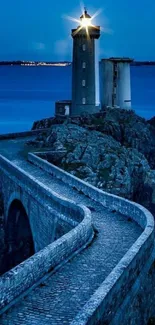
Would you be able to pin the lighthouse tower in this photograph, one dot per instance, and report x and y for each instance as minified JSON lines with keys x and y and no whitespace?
{"x":83,"y":73}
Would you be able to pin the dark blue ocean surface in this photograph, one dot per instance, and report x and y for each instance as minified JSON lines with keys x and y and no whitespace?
{"x":143,"y":90}
{"x":29,"y":93}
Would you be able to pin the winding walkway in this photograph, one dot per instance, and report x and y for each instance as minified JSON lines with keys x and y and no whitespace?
{"x":60,"y":297}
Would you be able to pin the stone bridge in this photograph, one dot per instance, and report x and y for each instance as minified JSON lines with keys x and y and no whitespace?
{"x":34,"y":215}
{"x":94,"y":252}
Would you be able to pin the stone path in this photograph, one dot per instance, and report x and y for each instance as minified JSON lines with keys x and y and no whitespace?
{"x":63,"y":294}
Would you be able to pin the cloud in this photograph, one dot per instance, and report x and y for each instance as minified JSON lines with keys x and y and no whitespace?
{"x":62,"y":47}
{"x":39,"y":46}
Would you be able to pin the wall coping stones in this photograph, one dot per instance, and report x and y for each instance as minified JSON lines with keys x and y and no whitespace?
{"x":16,"y":281}
{"x":8,"y":136}
{"x":108,"y":297}
{"x":132,"y":209}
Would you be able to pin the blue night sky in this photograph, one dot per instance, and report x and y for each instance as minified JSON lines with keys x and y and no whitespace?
{"x":37,"y":30}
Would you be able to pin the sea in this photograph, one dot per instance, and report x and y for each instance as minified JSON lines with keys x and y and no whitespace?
{"x":28,"y":93}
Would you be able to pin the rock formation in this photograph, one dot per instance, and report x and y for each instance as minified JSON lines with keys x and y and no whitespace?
{"x":113,"y":150}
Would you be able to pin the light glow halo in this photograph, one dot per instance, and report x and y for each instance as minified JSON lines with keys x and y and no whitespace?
{"x":88,"y":23}
{"x":84,"y":22}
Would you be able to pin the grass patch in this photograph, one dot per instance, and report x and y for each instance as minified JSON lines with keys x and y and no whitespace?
{"x":72,"y":166}
{"x":69,"y":147}
{"x":98,"y":121}
{"x":104,"y":173}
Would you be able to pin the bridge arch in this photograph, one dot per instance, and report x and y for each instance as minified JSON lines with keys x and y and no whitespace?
{"x":18,"y":235}
{"x":15,"y":195}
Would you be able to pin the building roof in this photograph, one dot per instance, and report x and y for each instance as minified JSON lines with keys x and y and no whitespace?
{"x":85,"y":15}
{"x":64,"y":101}
{"x":118,"y":59}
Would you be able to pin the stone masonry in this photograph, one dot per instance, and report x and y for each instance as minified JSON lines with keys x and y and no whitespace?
{"x":104,"y":282}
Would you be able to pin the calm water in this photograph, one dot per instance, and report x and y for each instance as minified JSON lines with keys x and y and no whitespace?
{"x":29,"y":93}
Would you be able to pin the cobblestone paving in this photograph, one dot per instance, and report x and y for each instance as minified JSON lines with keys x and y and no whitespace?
{"x":63,"y":294}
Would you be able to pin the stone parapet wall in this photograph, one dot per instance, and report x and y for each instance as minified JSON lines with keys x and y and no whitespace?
{"x":25,"y":275}
{"x":38,"y":190}
{"x":21,"y":134}
{"x":139,"y":304}
{"x":131,"y":209}
{"x":106,"y":301}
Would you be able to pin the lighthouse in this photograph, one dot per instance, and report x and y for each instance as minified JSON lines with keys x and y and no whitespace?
{"x":83,"y":66}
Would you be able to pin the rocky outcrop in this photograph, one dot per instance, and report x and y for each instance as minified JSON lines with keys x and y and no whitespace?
{"x":152,"y":121}
{"x":103,"y":161}
{"x":146,"y":193}
{"x":131,"y":130}
{"x":46,"y":123}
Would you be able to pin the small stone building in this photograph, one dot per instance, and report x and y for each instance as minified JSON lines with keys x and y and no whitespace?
{"x":62,"y":108}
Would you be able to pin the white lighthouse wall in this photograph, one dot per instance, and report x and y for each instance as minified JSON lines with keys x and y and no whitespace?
{"x":97,"y":97}
{"x":106,"y":83}
{"x":123,"y":98}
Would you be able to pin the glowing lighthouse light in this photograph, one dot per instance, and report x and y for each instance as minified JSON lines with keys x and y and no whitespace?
{"x":85,"y":20}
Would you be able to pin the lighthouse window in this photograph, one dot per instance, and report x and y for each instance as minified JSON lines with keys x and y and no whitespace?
{"x":84,"y":47}
{"x":83,"y":83}
{"x":83,"y":100}
{"x":84,"y":65}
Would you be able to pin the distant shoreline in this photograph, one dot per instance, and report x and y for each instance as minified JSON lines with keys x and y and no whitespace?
{"x":139,"y":63}
{"x":60,"y":64}
{"x":35,"y":63}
